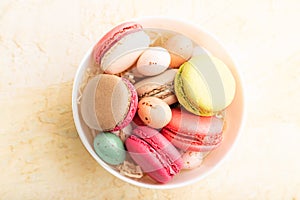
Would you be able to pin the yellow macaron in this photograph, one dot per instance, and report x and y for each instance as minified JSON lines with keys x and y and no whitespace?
{"x":204,"y":85}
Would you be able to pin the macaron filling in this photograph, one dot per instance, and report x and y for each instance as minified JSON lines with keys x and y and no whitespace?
{"x":162,"y":92}
{"x":160,"y":86}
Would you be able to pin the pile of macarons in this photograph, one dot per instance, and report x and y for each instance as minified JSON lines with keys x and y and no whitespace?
{"x":157,"y":108}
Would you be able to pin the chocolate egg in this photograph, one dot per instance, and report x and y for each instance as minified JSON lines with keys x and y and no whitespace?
{"x":153,"y":61}
{"x":180,"y":49}
{"x":154,"y":112}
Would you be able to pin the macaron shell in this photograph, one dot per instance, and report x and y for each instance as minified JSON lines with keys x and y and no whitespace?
{"x":202,"y":143}
{"x":204,"y":85}
{"x":194,"y":133}
{"x":111,"y":37}
{"x":162,"y":146}
{"x":148,"y":159}
{"x":125,"y":52}
{"x":154,"y":153}
{"x":153,"y":61}
{"x":87,"y":104}
{"x":154,"y":112}
{"x":186,"y":122}
{"x":105,"y":102}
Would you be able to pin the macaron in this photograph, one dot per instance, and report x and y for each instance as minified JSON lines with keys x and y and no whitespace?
{"x":153,"y":61}
{"x":108,"y":103}
{"x":110,"y":148}
{"x":160,"y":86}
{"x":180,"y":48}
{"x":154,"y":112}
{"x":119,"y":49}
{"x":204,"y":85}
{"x":191,"y":132}
{"x":154,"y":154}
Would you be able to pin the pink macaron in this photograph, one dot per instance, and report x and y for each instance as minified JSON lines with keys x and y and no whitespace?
{"x":191,"y":132}
{"x":108,"y":102}
{"x":119,"y":49}
{"x":154,"y":154}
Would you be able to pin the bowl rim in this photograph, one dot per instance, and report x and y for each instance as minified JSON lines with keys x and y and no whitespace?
{"x":75,"y":110}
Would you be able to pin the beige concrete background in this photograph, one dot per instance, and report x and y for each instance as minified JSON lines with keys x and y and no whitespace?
{"x":41,"y":45}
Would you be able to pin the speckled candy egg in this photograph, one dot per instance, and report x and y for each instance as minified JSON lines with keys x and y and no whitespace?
{"x":153,"y":61}
{"x":180,"y":48}
{"x":154,"y":112}
{"x":192,"y":159}
{"x":109,"y":148}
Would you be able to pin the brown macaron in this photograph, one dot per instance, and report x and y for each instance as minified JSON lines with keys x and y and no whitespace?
{"x":108,"y":103}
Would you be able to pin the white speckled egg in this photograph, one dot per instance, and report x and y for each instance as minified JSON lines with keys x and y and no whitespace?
{"x":153,"y":61}
{"x":180,"y":49}
{"x":192,"y":159}
{"x":154,"y":112}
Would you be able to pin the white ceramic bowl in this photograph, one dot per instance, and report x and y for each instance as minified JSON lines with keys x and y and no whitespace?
{"x":234,"y":113}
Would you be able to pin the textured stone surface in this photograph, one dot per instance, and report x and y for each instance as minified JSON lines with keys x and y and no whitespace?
{"x":41,"y":45}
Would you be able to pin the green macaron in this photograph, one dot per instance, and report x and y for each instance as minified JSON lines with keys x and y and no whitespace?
{"x":109,"y":148}
{"x":204,"y":85}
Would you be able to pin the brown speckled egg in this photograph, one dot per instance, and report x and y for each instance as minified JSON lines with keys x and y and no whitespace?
{"x":154,"y":112}
{"x":180,"y":49}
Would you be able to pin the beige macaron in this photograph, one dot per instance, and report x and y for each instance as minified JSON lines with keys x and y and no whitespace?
{"x":107,"y":102}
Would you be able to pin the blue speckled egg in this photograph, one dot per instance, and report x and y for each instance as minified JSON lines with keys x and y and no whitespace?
{"x":109,"y":148}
